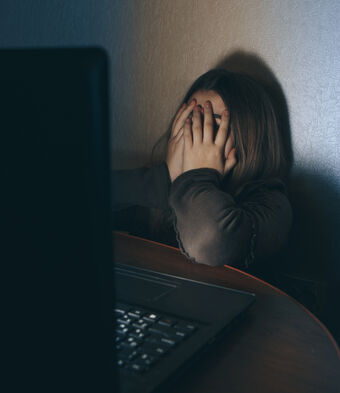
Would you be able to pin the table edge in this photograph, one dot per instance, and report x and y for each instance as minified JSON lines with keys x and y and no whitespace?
{"x":305,"y":309}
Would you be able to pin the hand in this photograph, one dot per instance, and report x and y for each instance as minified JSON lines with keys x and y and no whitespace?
{"x":174,"y":158}
{"x":200,"y":148}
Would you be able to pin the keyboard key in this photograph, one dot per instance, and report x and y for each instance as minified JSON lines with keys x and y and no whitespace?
{"x":148,"y":359}
{"x":140,"y":324}
{"x":132,"y":316}
{"x":151,"y":317}
{"x":122,"y":336}
{"x":161,"y":350}
{"x":118,"y":313}
{"x":182,"y":334}
{"x":122,"y":329}
{"x":155,"y":350}
{"x":137,"y":367}
{"x":169,"y":341}
{"x":121,"y":308}
{"x":131,"y":342}
{"x":186,"y":327}
{"x":162,"y":330}
{"x":153,"y":338}
{"x":138,"y":313}
{"x":167,"y":322}
{"x":155,"y":330}
{"x":127,"y":354}
{"x":124,"y":320}
{"x":120,"y":363}
{"x":138,"y":333}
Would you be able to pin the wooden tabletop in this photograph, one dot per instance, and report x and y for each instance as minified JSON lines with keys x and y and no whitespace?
{"x":279,"y":347}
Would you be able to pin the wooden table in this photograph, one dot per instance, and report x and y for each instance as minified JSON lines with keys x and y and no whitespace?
{"x":279,"y":347}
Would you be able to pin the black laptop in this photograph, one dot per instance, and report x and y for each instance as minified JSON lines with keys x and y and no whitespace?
{"x":74,"y":321}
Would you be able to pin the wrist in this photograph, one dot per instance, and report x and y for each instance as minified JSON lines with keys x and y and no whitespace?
{"x":193,"y":177}
{"x":173,"y":172}
{"x":219,"y":169}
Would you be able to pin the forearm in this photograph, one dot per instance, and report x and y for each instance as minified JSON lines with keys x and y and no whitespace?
{"x":214,"y":229}
{"x":209,"y":225}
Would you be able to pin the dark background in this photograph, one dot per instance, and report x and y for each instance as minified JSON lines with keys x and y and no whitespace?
{"x":158,"y":48}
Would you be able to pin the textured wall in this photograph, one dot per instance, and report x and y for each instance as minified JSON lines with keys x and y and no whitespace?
{"x":292,"y":43}
{"x":158,"y":47}
{"x":175,"y":41}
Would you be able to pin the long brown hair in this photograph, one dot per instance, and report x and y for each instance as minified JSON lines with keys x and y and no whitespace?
{"x":253,"y":122}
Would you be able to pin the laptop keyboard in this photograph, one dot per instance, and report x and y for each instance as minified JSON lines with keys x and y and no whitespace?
{"x":143,"y":337}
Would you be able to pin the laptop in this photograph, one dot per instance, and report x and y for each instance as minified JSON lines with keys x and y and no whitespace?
{"x":75,"y":320}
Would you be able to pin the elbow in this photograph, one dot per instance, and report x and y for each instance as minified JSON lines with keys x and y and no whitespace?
{"x":217,"y":249}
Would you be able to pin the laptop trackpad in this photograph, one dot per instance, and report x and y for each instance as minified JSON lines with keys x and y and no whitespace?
{"x":133,"y":287}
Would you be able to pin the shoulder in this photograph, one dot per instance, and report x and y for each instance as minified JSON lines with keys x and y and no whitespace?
{"x":267,"y":204}
{"x":266,"y":198}
{"x":261,"y":186}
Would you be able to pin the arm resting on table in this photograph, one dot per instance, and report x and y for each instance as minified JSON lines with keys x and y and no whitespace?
{"x":215,"y":229}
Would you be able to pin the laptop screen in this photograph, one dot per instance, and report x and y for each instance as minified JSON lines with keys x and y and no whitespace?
{"x":56,"y":258}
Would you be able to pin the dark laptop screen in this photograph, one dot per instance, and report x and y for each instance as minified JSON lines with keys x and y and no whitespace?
{"x":56,"y":254}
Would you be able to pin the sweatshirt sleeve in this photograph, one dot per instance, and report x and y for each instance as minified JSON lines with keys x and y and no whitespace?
{"x":147,"y":187}
{"x":215,"y":229}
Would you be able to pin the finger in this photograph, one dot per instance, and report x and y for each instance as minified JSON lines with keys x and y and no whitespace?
{"x":231,"y":161}
{"x":208,"y":130}
{"x":187,"y":134}
{"x":182,"y":116}
{"x":179,"y":135}
{"x":221,"y":136}
{"x":175,"y":130}
{"x":197,"y":134}
{"x":229,"y":145}
{"x":181,"y":109}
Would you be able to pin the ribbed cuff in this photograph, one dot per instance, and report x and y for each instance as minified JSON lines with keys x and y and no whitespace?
{"x":196,"y":175}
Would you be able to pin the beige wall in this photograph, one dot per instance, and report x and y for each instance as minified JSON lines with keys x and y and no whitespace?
{"x":172,"y":42}
{"x":158,"y":47}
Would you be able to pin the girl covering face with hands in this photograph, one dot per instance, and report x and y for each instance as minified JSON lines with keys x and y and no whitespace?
{"x":218,"y":194}
{"x":195,"y":143}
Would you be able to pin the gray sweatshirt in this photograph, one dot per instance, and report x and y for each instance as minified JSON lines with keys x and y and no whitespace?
{"x":209,"y":224}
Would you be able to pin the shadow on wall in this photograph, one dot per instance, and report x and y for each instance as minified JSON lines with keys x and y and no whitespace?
{"x":129,"y":159}
{"x":310,"y":264}
{"x":312,"y":258}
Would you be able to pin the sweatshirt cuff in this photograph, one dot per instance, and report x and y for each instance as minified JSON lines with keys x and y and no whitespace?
{"x":195,"y":176}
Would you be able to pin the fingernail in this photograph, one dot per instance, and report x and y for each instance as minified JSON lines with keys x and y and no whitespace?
{"x":207,"y":104}
{"x":192,"y":101}
{"x":226,"y":112}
